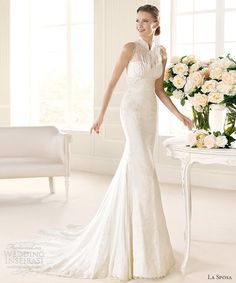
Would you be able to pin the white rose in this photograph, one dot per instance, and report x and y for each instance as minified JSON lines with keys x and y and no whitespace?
{"x":228,"y":78}
{"x":175,"y":59}
{"x":198,"y":108}
{"x":179,"y":81}
{"x":205,"y":72}
{"x":216,"y":73}
{"x":189,"y":87}
{"x":209,"y":141}
{"x":200,"y":99}
{"x":191,"y":139}
{"x":189,"y":59}
{"x":178,"y":94}
{"x":196,"y":79}
{"x":222,"y":63}
{"x":221,"y":141}
{"x":200,"y":138}
{"x":209,"y":86}
{"x":225,"y":63}
{"x":194,"y":67}
{"x":180,"y":69}
{"x":195,"y":104}
{"x":216,"y":97}
{"x":224,"y":88}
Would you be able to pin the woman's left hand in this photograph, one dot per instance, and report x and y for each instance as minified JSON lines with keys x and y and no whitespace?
{"x":184,"y":119}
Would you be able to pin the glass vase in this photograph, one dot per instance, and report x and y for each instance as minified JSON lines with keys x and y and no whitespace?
{"x":201,"y":119}
{"x":217,"y":117}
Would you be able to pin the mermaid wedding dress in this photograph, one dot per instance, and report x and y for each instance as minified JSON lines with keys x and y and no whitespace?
{"x":128,"y":236}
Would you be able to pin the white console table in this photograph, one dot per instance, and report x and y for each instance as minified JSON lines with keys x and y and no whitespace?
{"x":176,"y":148}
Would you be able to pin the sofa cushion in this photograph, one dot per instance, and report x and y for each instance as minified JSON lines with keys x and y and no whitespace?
{"x":30,"y":167}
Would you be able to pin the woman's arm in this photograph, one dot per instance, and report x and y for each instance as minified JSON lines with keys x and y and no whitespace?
{"x":165,"y":99}
{"x":125,"y":56}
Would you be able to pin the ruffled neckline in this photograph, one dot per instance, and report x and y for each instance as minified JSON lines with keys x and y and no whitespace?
{"x":145,"y":44}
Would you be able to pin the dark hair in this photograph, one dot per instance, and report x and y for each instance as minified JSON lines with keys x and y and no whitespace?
{"x":153,"y":11}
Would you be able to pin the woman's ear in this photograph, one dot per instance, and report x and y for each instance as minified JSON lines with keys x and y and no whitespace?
{"x":156,"y":25}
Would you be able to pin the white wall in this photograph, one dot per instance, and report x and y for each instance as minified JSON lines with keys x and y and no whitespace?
{"x":114,"y":26}
{"x":4,"y":63}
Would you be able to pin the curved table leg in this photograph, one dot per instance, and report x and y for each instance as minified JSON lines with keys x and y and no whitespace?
{"x":186,"y":187}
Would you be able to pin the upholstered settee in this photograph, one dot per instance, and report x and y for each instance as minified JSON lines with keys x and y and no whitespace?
{"x":37,"y":151}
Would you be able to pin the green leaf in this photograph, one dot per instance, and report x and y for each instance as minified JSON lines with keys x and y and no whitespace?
{"x":230,"y":138}
{"x":231,"y":68}
{"x":231,"y":59}
{"x":217,"y":133}
{"x":182,"y":101}
{"x":165,"y":83}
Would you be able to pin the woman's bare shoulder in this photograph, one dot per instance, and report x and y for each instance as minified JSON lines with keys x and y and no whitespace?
{"x":128,"y":48}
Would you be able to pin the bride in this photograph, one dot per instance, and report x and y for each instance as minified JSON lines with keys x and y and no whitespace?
{"x":128,"y":236}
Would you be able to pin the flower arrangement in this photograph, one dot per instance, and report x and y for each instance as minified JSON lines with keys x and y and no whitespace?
{"x":205,"y":85}
{"x":203,"y":138}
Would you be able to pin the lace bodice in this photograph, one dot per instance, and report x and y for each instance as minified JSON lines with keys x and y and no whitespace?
{"x":145,"y":63}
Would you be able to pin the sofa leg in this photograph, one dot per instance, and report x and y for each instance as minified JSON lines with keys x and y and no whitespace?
{"x":52,"y":185}
{"x":67,"y":183}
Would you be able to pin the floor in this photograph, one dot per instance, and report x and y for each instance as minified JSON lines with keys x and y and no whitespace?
{"x":26,"y":207}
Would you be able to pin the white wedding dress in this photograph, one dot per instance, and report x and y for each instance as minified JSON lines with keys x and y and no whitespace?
{"x":128,"y":236}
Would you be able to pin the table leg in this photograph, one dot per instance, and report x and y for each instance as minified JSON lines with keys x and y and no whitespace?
{"x":186,"y":187}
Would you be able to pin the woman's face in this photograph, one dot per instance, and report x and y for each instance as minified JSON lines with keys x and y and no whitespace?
{"x":145,"y":24}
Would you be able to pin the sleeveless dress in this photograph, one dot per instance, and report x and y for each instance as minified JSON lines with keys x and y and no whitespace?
{"x":128,"y":237}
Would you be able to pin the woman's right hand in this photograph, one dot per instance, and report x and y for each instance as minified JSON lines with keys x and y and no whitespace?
{"x":96,"y":125}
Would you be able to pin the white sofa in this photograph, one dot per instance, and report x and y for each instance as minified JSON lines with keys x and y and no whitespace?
{"x":40,"y":151}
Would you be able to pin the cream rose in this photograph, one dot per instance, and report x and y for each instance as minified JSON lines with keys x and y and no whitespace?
{"x":189,"y":87}
{"x":180,"y":69}
{"x":216,"y":97}
{"x":178,"y":94}
{"x":216,"y":73}
{"x":224,"y":88}
{"x":225,"y":63}
{"x":196,"y":79}
{"x":179,"y":81}
{"x":221,"y":141}
{"x":191,"y":59}
{"x":194,"y":67}
{"x":222,"y":63}
{"x":209,"y":141}
{"x":209,"y":86}
{"x":200,"y":139}
{"x":227,"y":78}
{"x":205,"y":72}
{"x":200,"y":99}
{"x":175,"y":59}
{"x":198,"y":108}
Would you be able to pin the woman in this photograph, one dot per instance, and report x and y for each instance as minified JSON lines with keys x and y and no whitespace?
{"x":128,"y":237}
